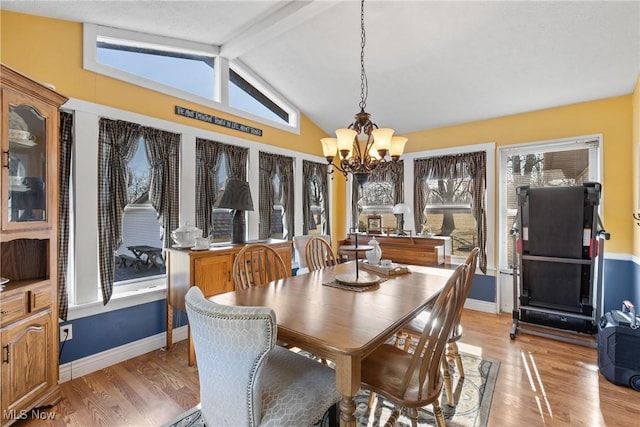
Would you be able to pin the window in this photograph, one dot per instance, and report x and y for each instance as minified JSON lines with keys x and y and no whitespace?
{"x":376,"y":198}
{"x":140,"y":225}
{"x":382,"y":191}
{"x":222,"y":218}
{"x":215,"y":163}
{"x":315,"y":198}
{"x":448,"y":212}
{"x":187,"y":70}
{"x":246,"y":97}
{"x":546,"y":164}
{"x":317,"y":218}
{"x":276,"y":196}
{"x":450,"y":199}
{"x":277,"y":210}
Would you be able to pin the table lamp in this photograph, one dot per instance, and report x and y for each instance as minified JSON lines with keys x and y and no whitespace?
{"x":399,"y":211}
{"x":237,"y":197}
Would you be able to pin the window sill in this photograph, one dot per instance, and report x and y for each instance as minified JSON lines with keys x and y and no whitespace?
{"x":155,"y":291}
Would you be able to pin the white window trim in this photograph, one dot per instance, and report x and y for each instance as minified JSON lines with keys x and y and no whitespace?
{"x":92,"y":32}
{"x":85,"y":298}
{"x":595,"y":174}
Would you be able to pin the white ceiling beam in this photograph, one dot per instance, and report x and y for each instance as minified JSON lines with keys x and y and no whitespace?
{"x":282,"y":20}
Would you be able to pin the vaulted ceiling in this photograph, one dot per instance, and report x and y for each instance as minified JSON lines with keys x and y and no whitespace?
{"x":428,"y":63}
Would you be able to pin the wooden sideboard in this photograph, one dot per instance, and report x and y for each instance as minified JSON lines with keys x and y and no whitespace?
{"x":210,"y":270}
{"x":416,"y":250}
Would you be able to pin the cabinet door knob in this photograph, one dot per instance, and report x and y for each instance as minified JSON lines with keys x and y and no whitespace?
{"x":3,"y":312}
{"x":6,"y":352}
{"x":6,"y":153}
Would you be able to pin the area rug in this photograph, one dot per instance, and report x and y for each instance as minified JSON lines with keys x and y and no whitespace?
{"x":473,"y":395}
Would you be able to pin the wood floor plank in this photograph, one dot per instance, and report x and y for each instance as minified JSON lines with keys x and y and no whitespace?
{"x":541,"y":382}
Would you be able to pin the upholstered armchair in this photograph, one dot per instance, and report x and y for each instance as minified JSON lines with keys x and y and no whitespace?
{"x":245,"y":379}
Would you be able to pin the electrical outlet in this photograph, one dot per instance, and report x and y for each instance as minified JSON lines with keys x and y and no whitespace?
{"x":66,"y":332}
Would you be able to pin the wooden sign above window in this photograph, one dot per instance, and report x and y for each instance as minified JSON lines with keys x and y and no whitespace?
{"x":197,"y":115}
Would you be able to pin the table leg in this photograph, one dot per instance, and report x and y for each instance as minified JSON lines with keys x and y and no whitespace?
{"x":169,"y":308}
{"x":348,"y":377}
{"x":192,"y":351}
{"x":169,"y":324}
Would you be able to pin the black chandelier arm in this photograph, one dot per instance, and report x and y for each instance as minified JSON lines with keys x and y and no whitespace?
{"x":332,"y":166}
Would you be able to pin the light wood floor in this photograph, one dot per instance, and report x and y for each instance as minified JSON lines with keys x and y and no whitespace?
{"x":540,"y":382}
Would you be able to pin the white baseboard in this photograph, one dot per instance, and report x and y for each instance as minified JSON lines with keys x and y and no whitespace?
{"x":478,"y":305}
{"x":95,"y":362}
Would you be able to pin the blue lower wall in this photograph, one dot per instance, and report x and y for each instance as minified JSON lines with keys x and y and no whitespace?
{"x":483,"y":288}
{"x":101,"y":332}
{"x":109,"y":330}
{"x":621,"y":282}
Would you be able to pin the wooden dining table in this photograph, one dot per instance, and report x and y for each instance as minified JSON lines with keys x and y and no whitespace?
{"x":342,"y":325}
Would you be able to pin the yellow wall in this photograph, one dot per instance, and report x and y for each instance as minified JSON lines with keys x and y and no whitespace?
{"x":609,"y":117}
{"x":635,"y":187}
{"x":51,"y":50}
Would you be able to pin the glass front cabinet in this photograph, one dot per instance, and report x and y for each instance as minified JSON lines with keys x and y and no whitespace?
{"x":28,"y":245}
{"x":29,"y":147}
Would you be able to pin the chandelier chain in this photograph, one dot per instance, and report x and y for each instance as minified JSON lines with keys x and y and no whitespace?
{"x":362,"y":147}
{"x":364,"y":86}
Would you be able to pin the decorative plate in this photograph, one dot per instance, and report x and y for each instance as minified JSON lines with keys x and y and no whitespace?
{"x":363,"y":279}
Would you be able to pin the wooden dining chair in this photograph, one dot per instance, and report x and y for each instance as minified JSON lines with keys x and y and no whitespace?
{"x":257,"y":264}
{"x":319,"y":254}
{"x":413,"y":330}
{"x":412,"y":380}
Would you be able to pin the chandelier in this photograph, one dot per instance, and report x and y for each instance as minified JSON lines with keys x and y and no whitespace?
{"x":363,"y":147}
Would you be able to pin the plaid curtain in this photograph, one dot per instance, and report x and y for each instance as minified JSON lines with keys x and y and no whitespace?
{"x":314,"y":171}
{"x":163,"y":152}
{"x":453,"y":166}
{"x":267,"y":171}
{"x":64,"y":172}
{"x":285,"y":167}
{"x":236,"y":161}
{"x":270,"y":165}
{"x":208,"y":155}
{"x":117,"y":144}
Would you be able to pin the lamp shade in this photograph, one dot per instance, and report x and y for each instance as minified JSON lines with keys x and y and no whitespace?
{"x":402,"y":208}
{"x":329,"y":146}
{"x":346,"y":138}
{"x":397,"y":145}
{"x":382,"y":138}
{"x":236,"y":196}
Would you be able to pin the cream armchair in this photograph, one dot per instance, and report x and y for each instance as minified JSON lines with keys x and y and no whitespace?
{"x":245,"y":379}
